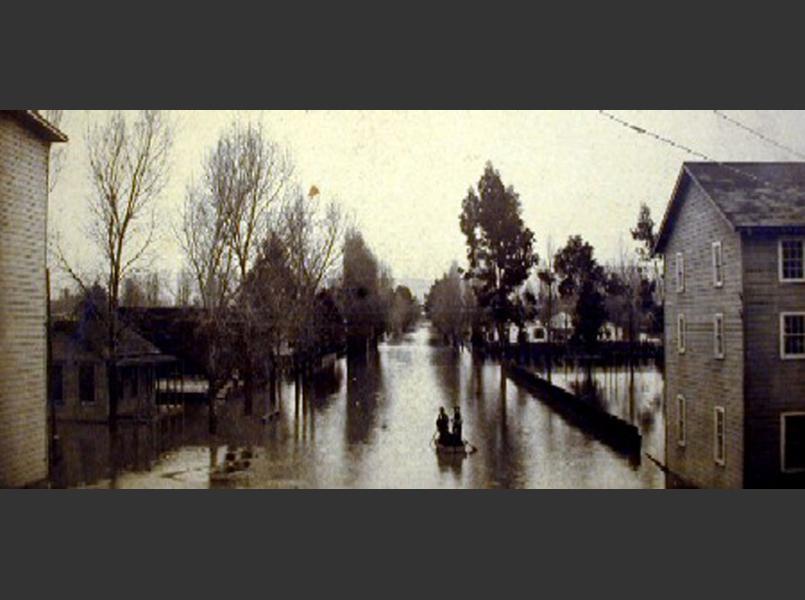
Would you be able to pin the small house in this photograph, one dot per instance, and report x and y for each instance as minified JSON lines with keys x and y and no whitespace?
{"x":79,"y":386}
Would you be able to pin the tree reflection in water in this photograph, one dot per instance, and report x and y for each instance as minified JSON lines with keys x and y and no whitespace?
{"x":369,"y":423}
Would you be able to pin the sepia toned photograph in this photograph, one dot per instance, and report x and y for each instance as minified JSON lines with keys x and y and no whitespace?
{"x":402,"y":299}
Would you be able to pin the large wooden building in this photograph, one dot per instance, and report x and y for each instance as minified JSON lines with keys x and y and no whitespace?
{"x":733,"y":238}
{"x":25,"y":139}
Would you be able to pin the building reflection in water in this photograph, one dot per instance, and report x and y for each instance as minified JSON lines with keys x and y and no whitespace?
{"x":369,"y":423}
{"x":90,"y":453}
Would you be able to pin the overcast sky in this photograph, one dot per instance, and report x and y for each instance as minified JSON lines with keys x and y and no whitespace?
{"x":403,"y":174}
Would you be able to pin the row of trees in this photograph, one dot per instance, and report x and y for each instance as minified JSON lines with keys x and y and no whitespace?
{"x":278,"y":274}
{"x":505,"y":283}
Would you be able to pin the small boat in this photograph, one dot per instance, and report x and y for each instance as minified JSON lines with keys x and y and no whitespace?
{"x":462,"y":449}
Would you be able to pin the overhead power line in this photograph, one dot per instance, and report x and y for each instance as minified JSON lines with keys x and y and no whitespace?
{"x":758,"y":134}
{"x":674,"y":144}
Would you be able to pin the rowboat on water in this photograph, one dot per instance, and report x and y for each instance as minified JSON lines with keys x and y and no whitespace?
{"x":463,"y":448}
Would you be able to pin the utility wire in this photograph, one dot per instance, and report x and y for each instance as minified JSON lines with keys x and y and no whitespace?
{"x":758,"y":134}
{"x":668,"y":141}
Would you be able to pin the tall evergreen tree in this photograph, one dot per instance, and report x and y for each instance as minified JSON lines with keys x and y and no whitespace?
{"x":499,"y":248}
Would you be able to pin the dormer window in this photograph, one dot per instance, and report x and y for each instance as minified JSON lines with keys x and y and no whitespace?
{"x":718,"y":265}
{"x":680,"y":272}
{"x":792,"y":267}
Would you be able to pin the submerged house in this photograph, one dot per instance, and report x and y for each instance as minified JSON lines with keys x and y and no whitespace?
{"x":79,"y":387}
{"x":25,"y":139}
{"x":733,"y":239}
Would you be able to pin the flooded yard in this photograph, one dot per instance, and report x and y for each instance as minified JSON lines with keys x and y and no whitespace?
{"x":369,"y":423}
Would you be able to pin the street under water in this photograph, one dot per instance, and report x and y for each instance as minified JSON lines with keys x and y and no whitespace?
{"x":368,"y":424}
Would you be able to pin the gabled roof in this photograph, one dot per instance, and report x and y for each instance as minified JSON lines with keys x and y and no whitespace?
{"x":38,"y":124}
{"x":747,"y":195}
{"x":131,"y":346}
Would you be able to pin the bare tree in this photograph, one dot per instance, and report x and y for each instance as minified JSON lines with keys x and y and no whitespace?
{"x":184,"y":288}
{"x":153,"y":289}
{"x":57,"y":151}
{"x":312,"y":231}
{"x":128,"y":169}
{"x":249,"y":173}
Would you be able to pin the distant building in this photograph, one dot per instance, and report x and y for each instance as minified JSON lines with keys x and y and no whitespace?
{"x":25,"y":139}
{"x":79,"y":387}
{"x":610,"y":332}
{"x":733,"y":240}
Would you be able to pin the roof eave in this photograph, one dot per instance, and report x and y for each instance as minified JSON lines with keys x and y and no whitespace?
{"x":662,"y":234}
{"x":39,"y":125}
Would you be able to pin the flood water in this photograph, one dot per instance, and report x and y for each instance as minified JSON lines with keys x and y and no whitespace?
{"x":368,"y":424}
{"x":632,"y":393}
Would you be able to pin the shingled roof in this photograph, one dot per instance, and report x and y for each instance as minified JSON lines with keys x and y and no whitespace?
{"x":748,"y":195}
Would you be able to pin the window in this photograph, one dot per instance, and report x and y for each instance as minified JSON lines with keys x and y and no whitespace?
{"x":792,"y":336}
{"x":792,"y":442}
{"x":718,"y":265}
{"x":792,"y":267}
{"x":680,"y":272}
{"x":718,"y":336}
{"x":680,"y":333}
{"x":135,"y":381}
{"x":86,"y":383}
{"x":56,"y":392}
{"x":720,"y":441}
{"x":681,"y":424}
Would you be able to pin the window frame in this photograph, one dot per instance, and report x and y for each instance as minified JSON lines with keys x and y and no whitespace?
{"x":680,"y":272}
{"x":681,"y":333}
{"x":718,"y":333}
{"x":718,"y":264}
{"x":781,"y":273}
{"x":682,"y":421}
{"x":721,"y":461}
{"x":783,"y":417}
{"x":134,"y":381}
{"x":81,"y":401}
{"x":783,"y":354}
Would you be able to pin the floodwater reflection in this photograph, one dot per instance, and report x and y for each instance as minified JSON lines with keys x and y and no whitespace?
{"x":369,"y":424}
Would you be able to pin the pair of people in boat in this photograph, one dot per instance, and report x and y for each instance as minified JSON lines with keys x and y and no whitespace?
{"x":448,"y":437}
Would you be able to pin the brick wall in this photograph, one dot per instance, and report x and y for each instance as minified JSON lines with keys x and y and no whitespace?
{"x":23,"y":209}
{"x":704,"y":381}
{"x":773,"y":385}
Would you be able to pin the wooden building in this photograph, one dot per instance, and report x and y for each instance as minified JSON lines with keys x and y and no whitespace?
{"x":25,"y":139}
{"x":733,"y":239}
{"x":79,"y":388}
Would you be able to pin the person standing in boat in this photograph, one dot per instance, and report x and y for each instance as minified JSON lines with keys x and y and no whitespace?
{"x":443,"y":426}
{"x":458,"y":425}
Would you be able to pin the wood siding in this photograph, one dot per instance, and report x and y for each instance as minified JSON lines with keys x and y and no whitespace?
{"x":705,"y":381}
{"x":773,"y":385}
{"x":69,"y":355}
{"x":23,"y":209}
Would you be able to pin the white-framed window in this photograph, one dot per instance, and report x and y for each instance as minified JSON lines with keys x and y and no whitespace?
{"x":680,"y":272}
{"x":718,"y":265}
{"x":792,"y":442}
{"x":718,"y":336}
{"x":792,"y":335}
{"x":719,"y":436}
{"x":792,"y":263}
{"x":681,"y":329}
{"x":682,"y":421}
